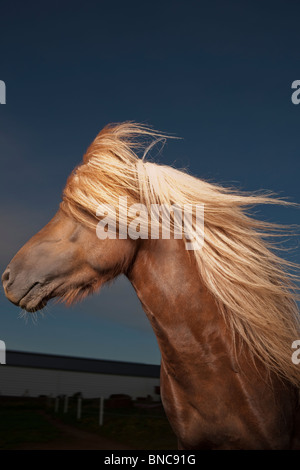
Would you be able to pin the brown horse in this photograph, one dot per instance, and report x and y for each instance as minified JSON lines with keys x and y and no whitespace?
{"x":224,"y":314}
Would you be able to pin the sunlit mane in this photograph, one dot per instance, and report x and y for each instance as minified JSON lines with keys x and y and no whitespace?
{"x":251,"y":284}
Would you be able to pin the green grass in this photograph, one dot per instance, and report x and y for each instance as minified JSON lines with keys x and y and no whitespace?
{"x":19,"y":425}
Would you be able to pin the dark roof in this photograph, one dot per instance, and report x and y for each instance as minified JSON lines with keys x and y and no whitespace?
{"x":80,"y":364}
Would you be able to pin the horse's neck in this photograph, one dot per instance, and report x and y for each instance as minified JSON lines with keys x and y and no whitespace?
{"x":204,"y":388}
{"x":184,"y":316}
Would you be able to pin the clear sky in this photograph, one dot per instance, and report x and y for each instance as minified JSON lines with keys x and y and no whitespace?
{"x":218,"y":74}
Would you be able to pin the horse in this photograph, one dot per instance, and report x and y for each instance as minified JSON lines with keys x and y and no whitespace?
{"x":224,"y":314}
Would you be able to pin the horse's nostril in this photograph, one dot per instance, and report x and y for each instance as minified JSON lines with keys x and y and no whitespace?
{"x":5,"y":277}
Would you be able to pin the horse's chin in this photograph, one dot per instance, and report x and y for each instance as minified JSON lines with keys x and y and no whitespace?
{"x":32,"y":307}
{"x":36,"y":297}
{"x":39,"y":294}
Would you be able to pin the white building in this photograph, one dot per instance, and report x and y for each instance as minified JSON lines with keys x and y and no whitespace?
{"x":34,"y":374}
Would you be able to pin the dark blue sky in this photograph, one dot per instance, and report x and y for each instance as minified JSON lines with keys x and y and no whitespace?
{"x":216,"y":73}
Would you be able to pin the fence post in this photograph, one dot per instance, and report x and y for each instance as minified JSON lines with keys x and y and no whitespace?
{"x":56,"y":405}
{"x":101,"y":411}
{"x":66,"y":404}
{"x":79,"y":408}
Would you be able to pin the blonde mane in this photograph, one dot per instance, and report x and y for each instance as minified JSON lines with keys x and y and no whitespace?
{"x":253,"y":287}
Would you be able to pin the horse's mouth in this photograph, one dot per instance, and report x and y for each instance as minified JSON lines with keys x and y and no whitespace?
{"x":35,"y":298}
{"x":38,"y":295}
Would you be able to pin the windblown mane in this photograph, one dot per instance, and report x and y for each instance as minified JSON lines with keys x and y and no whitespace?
{"x":253,"y":286}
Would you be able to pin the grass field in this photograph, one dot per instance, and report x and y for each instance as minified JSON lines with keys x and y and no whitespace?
{"x":20,"y":422}
{"x":146,"y":429}
{"x":24,"y":421}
